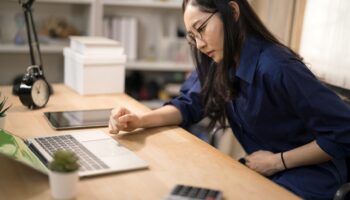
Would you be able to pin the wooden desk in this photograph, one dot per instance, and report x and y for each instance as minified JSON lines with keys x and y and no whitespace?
{"x":174,"y":156}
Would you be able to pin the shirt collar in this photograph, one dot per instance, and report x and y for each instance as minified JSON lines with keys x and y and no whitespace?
{"x":249,"y":59}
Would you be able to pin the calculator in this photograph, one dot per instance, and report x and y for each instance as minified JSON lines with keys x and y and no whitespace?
{"x":185,"y":192}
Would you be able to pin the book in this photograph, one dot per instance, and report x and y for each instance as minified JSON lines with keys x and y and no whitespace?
{"x":116,"y":29}
{"x":125,"y":30}
{"x":89,"y":45}
{"x":106,"y":27}
{"x":132,"y":42}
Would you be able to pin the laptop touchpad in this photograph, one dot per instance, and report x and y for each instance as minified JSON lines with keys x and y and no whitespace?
{"x":106,"y":148}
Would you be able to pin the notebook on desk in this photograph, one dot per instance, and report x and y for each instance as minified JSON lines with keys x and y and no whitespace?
{"x":98,"y":152}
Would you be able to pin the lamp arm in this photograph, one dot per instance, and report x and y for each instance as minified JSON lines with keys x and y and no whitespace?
{"x":34,"y":47}
{"x":36,"y":68}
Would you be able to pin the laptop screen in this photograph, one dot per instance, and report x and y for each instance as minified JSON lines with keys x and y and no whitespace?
{"x":15,"y":148}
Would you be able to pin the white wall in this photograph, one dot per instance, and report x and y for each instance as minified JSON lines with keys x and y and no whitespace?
{"x":277,"y":15}
{"x":325,"y":43}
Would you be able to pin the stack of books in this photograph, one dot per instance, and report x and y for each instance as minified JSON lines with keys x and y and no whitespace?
{"x":123,"y":29}
{"x":94,"y":65}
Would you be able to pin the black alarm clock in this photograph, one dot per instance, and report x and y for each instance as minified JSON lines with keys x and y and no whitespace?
{"x":34,"y":91}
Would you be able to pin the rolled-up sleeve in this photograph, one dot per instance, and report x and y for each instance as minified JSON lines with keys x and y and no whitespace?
{"x":189,"y":102}
{"x":322,"y":111}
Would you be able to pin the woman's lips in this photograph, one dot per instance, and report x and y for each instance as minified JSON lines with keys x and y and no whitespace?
{"x":210,"y":53}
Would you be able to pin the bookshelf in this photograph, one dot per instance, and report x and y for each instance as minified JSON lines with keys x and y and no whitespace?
{"x":60,"y":1}
{"x":92,"y":16}
{"x":87,"y":16}
{"x":66,"y":1}
{"x":158,"y":66}
{"x":175,"y":4}
{"x":12,"y":48}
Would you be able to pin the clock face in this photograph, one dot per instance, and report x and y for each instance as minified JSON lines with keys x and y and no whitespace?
{"x":40,"y":92}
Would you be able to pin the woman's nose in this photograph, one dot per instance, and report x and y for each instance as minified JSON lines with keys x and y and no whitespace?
{"x":200,"y":43}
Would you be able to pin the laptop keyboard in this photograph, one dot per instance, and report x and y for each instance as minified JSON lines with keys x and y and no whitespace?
{"x":87,"y":160}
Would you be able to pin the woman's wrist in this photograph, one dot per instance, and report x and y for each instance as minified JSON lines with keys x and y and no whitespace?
{"x":279,"y":162}
{"x":148,"y":120}
{"x":142,"y":119}
{"x":283,"y":161}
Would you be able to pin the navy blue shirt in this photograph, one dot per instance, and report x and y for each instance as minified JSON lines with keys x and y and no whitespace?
{"x":282,"y":106}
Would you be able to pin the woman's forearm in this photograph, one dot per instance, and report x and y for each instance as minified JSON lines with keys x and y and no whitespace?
{"x":308,"y":154}
{"x":164,"y":116}
{"x":269,"y":163}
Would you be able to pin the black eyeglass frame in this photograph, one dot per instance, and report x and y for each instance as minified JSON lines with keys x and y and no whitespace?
{"x":191,"y":38}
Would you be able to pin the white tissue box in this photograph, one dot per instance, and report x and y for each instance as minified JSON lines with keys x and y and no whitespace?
{"x":94,"y":75}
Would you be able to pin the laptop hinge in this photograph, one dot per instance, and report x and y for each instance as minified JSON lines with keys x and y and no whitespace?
{"x":36,"y":152}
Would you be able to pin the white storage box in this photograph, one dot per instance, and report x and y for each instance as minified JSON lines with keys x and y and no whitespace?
{"x":94,"y":75}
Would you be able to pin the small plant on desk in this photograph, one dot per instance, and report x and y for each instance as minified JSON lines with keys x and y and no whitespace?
{"x":63,"y":174}
{"x":3,"y":109}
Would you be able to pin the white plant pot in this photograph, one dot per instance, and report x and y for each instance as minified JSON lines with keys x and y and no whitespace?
{"x":63,"y":185}
{"x":2,"y":122}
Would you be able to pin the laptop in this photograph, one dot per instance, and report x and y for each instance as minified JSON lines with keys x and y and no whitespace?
{"x":98,"y":152}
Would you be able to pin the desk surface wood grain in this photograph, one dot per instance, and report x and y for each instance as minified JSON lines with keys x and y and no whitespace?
{"x":174,"y":156}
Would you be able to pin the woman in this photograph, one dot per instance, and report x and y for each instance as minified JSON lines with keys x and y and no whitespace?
{"x":294,"y":130}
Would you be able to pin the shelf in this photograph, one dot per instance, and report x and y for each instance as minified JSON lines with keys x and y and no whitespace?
{"x":145,"y":3}
{"x":68,"y":1}
{"x":11,"y":48}
{"x":134,"y":65}
{"x":159,"y":66}
{"x":65,"y":1}
{"x":134,"y":3}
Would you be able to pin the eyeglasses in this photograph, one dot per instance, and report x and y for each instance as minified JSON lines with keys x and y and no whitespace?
{"x":191,"y":37}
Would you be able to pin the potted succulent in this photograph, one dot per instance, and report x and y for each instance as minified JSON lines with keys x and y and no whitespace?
{"x":63,"y":175}
{"x":3,"y":110}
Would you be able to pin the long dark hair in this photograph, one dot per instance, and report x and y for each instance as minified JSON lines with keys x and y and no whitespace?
{"x":217,"y":87}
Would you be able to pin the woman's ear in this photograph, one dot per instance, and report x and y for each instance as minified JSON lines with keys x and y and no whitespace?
{"x":235,"y":8}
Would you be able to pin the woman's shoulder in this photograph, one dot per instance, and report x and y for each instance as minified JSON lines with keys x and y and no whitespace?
{"x":276,"y":59}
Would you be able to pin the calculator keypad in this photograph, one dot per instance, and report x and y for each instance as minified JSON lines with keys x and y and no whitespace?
{"x":183,"y":192}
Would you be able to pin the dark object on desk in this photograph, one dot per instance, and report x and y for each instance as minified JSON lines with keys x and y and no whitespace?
{"x":17,"y":82}
{"x":242,"y":160}
{"x":33,"y":90}
{"x":184,"y":192}
{"x":78,"y":119}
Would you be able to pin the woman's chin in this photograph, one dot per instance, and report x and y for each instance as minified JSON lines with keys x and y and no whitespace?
{"x":217,"y":60}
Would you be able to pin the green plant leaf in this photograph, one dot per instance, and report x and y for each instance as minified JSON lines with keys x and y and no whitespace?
{"x":2,"y":113}
{"x":64,"y":161}
{"x":2,"y":106}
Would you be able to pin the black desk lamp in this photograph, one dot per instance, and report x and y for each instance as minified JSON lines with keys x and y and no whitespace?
{"x":33,"y":89}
